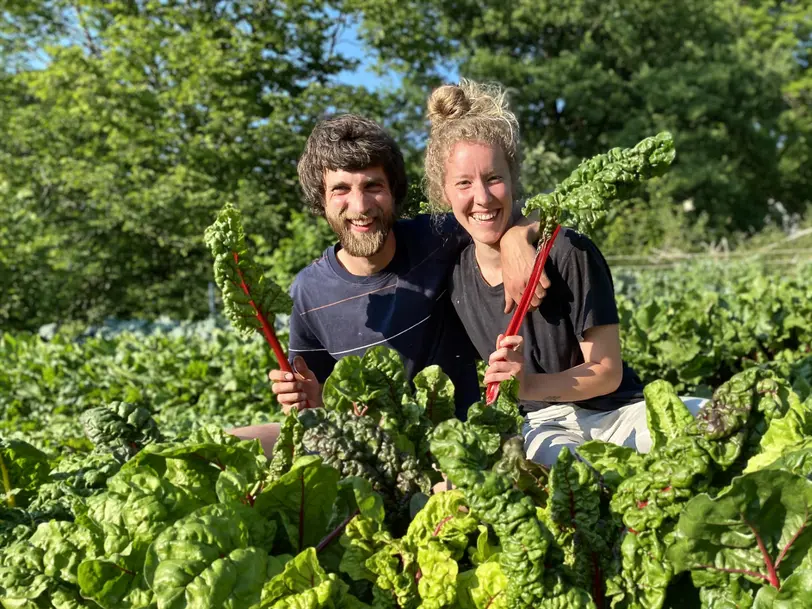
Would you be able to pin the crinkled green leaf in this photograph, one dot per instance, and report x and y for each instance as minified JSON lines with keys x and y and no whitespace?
{"x":784,"y":434}
{"x":529,"y":477}
{"x":444,"y":520}
{"x":120,"y":428}
{"x":482,"y":588}
{"x":22,"y":469}
{"x":760,"y":521}
{"x":113,"y":586}
{"x":614,"y":463}
{"x":303,"y":584}
{"x":302,"y":501}
{"x":437,"y":584}
{"x":666,"y":414}
{"x":214,"y":557}
{"x":484,"y":551}
{"x":234,"y":267}
{"x":645,"y":573}
{"x":434,"y":392}
{"x":582,"y":200}
{"x":374,"y":384}
{"x":136,"y":507}
{"x":395,"y":570}
{"x":287,"y":448}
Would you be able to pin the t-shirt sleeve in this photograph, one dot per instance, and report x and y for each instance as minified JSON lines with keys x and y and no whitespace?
{"x":593,"y":295}
{"x":305,"y":343}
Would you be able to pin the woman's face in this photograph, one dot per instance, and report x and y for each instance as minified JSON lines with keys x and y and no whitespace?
{"x":478,"y":187}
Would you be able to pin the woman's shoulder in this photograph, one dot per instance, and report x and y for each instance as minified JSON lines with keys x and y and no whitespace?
{"x":570,"y":241}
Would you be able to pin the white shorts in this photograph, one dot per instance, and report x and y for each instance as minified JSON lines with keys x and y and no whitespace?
{"x":550,"y":429}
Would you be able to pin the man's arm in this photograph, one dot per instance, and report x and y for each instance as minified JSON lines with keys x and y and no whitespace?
{"x":518,"y":254}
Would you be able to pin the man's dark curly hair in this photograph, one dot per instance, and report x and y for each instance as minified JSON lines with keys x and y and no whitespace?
{"x":348,"y":142}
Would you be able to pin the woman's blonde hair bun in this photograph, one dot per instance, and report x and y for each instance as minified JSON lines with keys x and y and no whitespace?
{"x":448,"y":102}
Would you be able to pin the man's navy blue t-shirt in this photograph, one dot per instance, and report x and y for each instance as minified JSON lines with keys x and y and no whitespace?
{"x":406,"y":307}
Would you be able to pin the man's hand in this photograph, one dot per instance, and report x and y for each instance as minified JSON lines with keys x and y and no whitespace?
{"x":297,"y":390}
{"x":507,"y":361}
{"x":518,"y":255}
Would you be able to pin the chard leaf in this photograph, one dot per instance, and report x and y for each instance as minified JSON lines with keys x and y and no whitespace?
{"x":249,"y":298}
{"x":784,"y":434}
{"x":112,"y":585}
{"x":287,"y":447}
{"x":438,"y":576}
{"x":214,"y":557}
{"x":22,"y":469}
{"x":120,"y":428}
{"x":614,"y":463}
{"x":758,"y":529}
{"x":444,"y":521}
{"x":375,"y":385}
{"x":666,"y":415}
{"x":482,"y":588}
{"x":434,"y":392}
{"x":303,"y":584}
{"x":302,"y":501}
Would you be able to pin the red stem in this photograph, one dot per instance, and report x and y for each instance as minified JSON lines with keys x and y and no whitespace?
{"x":267,"y":329}
{"x":301,"y":512}
{"x":772,"y":576}
{"x":127,"y":571}
{"x":492,"y":391}
{"x":439,"y":526}
{"x":742,"y":571}
{"x":795,"y":537}
{"x":328,"y":539}
{"x":597,"y":582}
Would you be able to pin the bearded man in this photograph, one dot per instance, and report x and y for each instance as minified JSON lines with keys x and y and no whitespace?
{"x":385,"y":281}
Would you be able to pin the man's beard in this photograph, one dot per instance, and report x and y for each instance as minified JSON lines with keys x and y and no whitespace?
{"x":362,"y":245}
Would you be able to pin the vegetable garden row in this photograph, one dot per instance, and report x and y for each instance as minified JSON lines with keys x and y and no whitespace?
{"x":716,"y":515}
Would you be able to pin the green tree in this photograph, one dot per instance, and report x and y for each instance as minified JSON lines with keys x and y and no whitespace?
{"x":127,"y":124}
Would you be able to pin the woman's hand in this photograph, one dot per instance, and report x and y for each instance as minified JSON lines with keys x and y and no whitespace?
{"x":507,"y":361}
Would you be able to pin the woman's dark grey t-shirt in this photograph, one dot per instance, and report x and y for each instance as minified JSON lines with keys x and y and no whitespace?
{"x":580,"y":297}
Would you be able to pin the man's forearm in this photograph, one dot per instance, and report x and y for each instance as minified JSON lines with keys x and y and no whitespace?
{"x":582,"y":382}
{"x":524,"y":228}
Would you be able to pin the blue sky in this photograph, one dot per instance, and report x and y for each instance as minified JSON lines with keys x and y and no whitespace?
{"x":351,"y":46}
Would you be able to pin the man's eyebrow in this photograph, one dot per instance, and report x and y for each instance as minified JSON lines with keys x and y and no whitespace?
{"x":338,"y":185}
{"x":373,"y":182}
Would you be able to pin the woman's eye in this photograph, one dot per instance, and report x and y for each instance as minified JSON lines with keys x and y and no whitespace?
{"x":495,"y":179}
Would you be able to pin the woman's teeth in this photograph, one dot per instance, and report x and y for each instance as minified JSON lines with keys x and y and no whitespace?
{"x":484,"y":216}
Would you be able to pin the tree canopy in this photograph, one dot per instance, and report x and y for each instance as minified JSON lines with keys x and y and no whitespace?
{"x":126,"y":124}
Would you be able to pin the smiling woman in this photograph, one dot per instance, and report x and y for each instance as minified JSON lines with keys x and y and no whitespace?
{"x":574,"y":385}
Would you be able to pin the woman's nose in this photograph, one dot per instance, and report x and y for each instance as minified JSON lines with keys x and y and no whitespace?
{"x":482,"y":194}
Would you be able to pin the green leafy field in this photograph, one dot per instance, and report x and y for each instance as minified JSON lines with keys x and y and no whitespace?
{"x":122,"y":491}
{"x":140,"y":515}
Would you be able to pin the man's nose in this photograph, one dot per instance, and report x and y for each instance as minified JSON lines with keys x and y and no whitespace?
{"x":358,"y":202}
